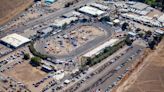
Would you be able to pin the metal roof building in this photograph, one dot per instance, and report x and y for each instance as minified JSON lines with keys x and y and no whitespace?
{"x":62,"y":21}
{"x":139,"y":6}
{"x":98,"y":49}
{"x":161,"y":18}
{"x":91,"y":10}
{"x":72,"y":14}
{"x":99,"y":6}
{"x":15,"y":40}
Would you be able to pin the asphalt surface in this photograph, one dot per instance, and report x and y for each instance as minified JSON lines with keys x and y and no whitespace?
{"x":93,"y":80}
{"x":42,"y":19}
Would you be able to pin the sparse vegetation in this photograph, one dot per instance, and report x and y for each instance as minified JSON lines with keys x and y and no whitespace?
{"x":128,"y":41}
{"x":107,"y":52}
{"x":35,"y":61}
{"x":26,"y":56}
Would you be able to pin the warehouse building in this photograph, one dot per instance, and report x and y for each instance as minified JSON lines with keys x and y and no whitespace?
{"x":99,"y":6}
{"x":60,"y":22}
{"x":91,"y":11}
{"x":14,"y":40}
{"x":72,"y":14}
{"x":139,"y":6}
{"x":161,"y":19}
{"x":142,"y":19}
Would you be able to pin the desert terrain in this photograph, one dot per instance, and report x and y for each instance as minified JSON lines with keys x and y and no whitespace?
{"x":10,"y":8}
{"x":149,"y":76}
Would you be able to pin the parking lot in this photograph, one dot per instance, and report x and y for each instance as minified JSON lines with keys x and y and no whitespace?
{"x":4,"y":50}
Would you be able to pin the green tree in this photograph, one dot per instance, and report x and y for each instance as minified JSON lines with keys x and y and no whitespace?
{"x":36,"y":61}
{"x":105,"y":18}
{"x":148,"y":33}
{"x":128,"y":41}
{"x":125,"y":26}
{"x":138,"y":30}
{"x":150,"y":2}
{"x":151,"y":44}
{"x":26,"y":56}
{"x":141,"y":34}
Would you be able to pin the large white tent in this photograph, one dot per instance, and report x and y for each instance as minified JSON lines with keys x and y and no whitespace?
{"x":91,"y":10}
{"x":15,"y":40}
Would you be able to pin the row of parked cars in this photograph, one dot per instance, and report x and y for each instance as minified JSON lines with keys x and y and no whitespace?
{"x":109,"y":88}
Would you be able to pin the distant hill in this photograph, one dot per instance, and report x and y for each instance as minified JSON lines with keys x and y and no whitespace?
{"x":10,"y":8}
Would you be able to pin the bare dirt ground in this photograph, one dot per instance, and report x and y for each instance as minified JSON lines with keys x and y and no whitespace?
{"x":10,"y":8}
{"x":149,"y":76}
{"x":25,"y":73}
{"x":60,"y":4}
{"x":82,"y":34}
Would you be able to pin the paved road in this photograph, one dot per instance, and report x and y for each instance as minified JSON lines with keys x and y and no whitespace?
{"x":90,"y":82}
{"x":48,"y":17}
{"x":109,"y":80}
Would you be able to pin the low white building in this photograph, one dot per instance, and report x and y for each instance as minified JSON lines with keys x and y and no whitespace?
{"x":72,"y":14}
{"x":100,"y":48}
{"x":62,"y":21}
{"x":139,"y":6}
{"x":161,"y":18}
{"x":99,"y":6}
{"x":14,"y":40}
{"x":91,"y":10}
{"x":142,"y":19}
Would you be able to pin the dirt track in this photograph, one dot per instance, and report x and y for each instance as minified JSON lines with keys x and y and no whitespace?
{"x":149,"y":76}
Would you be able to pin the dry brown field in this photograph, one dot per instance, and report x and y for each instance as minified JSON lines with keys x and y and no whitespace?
{"x":149,"y":76}
{"x":10,"y":8}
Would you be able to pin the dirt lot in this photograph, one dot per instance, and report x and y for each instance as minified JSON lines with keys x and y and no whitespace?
{"x":62,"y":45}
{"x":149,"y":76}
{"x":25,"y":73}
{"x":60,"y":4}
{"x":10,"y":8}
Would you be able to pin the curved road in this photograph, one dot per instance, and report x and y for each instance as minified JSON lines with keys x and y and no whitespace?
{"x":84,"y":48}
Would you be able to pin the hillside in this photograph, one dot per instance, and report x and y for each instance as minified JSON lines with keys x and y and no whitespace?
{"x":149,"y":76}
{"x":10,"y":8}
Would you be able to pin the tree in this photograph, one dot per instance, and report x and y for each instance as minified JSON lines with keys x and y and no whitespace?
{"x":64,"y":26}
{"x":26,"y":56}
{"x":128,"y":41}
{"x":151,"y":44}
{"x":124,"y":26}
{"x":150,"y":2}
{"x":148,"y":33}
{"x":141,"y":34}
{"x":105,"y":18}
{"x":138,"y":30}
{"x":36,"y":61}
{"x":157,"y":38}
